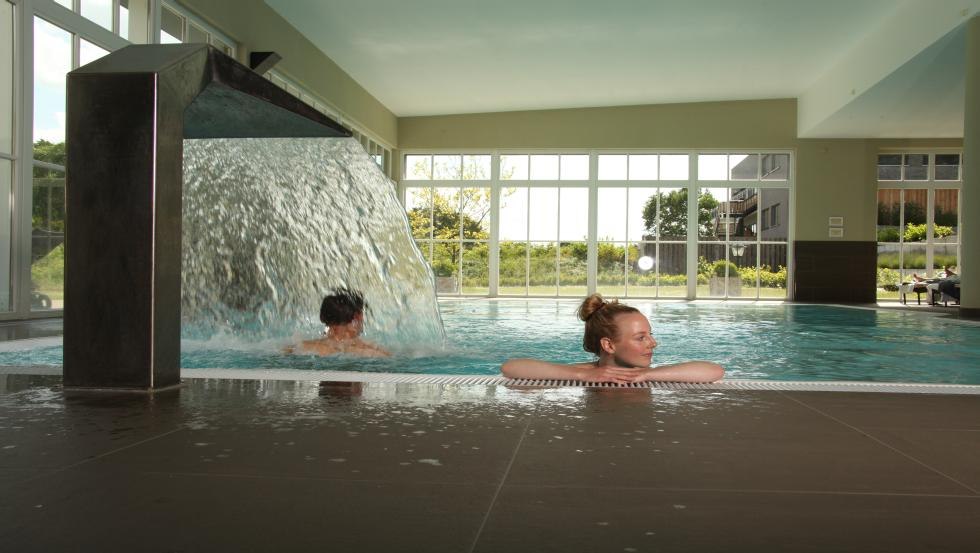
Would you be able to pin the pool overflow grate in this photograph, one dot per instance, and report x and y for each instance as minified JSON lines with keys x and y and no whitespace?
{"x":454,"y":380}
{"x":774,"y":385}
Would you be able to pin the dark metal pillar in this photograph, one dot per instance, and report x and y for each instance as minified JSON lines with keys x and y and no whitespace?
{"x":127,"y":116}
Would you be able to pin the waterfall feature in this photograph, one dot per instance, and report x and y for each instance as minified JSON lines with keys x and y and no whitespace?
{"x":272,"y":225}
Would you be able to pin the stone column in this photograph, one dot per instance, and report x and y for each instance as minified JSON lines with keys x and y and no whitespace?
{"x":970,"y":195}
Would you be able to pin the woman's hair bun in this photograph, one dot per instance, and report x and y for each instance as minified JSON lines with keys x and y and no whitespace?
{"x":590,"y":305}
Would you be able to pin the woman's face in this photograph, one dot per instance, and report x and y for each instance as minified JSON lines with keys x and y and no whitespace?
{"x":634,"y":345}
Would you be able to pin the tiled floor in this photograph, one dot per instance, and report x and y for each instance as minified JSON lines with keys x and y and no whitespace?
{"x":246,"y":465}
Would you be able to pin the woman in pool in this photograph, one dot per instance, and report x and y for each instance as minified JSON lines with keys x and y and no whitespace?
{"x":343,"y":313}
{"x":619,"y":336}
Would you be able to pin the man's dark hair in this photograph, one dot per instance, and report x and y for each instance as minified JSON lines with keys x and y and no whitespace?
{"x":341,"y":307}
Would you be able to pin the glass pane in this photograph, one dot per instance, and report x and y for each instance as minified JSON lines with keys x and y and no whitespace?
{"x":743,"y":213}
{"x":642,"y":266}
{"x":713,"y":271}
{"x":476,"y":268}
{"x":611,"y":268}
{"x":476,"y":213}
{"x":418,"y":167}
{"x":47,"y":240}
{"x":425,"y":246}
{"x":671,"y":262}
{"x":52,"y":61}
{"x":643,"y":167}
{"x":99,"y":11}
{"x":476,"y":167}
{"x":196,"y":34}
{"x":513,"y":167}
{"x":88,"y":52}
{"x":6,"y":78}
{"x":543,"y":205}
{"x":224,"y":48}
{"x":610,"y":224}
{"x":65,"y":3}
{"x":889,"y":215}
{"x":446,"y":168}
{"x":744,"y":257}
{"x":543,"y":274}
{"x":574,"y":215}
{"x":945,"y":256}
{"x":575,"y":167}
{"x":418,"y":205}
{"x":712,"y":167}
{"x":673,"y":214}
{"x":445,"y":267}
{"x":915,"y":202}
{"x":775,"y":166}
{"x":743,"y":166}
{"x":890,"y":167}
{"x":913,"y":261}
{"x":513,"y":214}
{"x":772,"y":274}
{"x":775,"y":203}
{"x":889,"y":274}
{"x":945,"y":217}
{"x":916,"y":166}
{"x":544,"y":167}
{"x":572,"y":269}
{"x":612,"y":167}
{"x":6,"y":182}
{"x":512,"y":278}
{"x":124,"y":18}
{"x":171,"y":26}
{"x":673,"y":167}
{"x":947,"y":167}
{"x":713,"y":220}
{"x":641,"y":217}
{"x":445,"y":214}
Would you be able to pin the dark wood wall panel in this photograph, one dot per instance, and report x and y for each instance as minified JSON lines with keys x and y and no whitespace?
{"x":835,"y":271}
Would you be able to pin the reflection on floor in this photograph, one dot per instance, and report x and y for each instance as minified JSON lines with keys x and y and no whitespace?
{"x":248,"y":465}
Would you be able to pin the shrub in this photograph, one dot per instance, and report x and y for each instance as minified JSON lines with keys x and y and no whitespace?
{"x":888,"y":234}
{"x":718,"y":268}
{"x":917,"y":233}
{"x":888,"y":277}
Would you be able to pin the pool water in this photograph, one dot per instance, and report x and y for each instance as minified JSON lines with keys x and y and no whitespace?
{"x":752,"y":341}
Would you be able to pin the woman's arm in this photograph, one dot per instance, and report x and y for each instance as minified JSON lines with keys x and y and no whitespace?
{"x":587,"y":372}
{"x":690,"y":371}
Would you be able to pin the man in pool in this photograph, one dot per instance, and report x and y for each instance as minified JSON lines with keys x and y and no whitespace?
{"x":343,"y":315}
{"x":619,"y":336}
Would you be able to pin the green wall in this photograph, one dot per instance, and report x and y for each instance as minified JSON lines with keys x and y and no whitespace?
{"x":257,"y":27}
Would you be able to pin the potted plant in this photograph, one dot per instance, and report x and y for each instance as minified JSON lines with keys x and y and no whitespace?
{"x":721,"y":271}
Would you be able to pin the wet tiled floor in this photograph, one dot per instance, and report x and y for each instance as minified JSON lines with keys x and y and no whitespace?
{"x":248,"y":465}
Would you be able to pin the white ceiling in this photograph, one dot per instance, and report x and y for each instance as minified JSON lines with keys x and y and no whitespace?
{"x":431,"y":57}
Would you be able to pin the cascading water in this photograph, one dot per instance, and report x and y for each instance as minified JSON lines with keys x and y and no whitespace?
{"x":272,"y":225}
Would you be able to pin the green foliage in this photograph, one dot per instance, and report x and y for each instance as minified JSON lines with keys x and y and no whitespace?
{"x":49,"y":272}
{"x":917,"y":233}
{"x":718,"y":268}
{"x":888,"y":234}
{"x":51,"y":153}
{"x":915,"y":261}
{"x":889,"y":277}
{"x":673,"y":213}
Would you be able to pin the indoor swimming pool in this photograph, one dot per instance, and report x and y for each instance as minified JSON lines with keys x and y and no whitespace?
{"x":754,"y":341}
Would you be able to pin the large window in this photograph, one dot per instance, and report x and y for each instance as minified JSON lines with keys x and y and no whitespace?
{"x":450,"y":219}
{"x":742,"y":228}
{"x":566,"y":224}
{"x":918,"y":217}
{"x":641,"y":225}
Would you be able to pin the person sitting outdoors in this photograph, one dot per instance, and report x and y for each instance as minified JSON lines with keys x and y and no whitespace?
{"x":343,"y":315}
{"x":620,"y":337}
